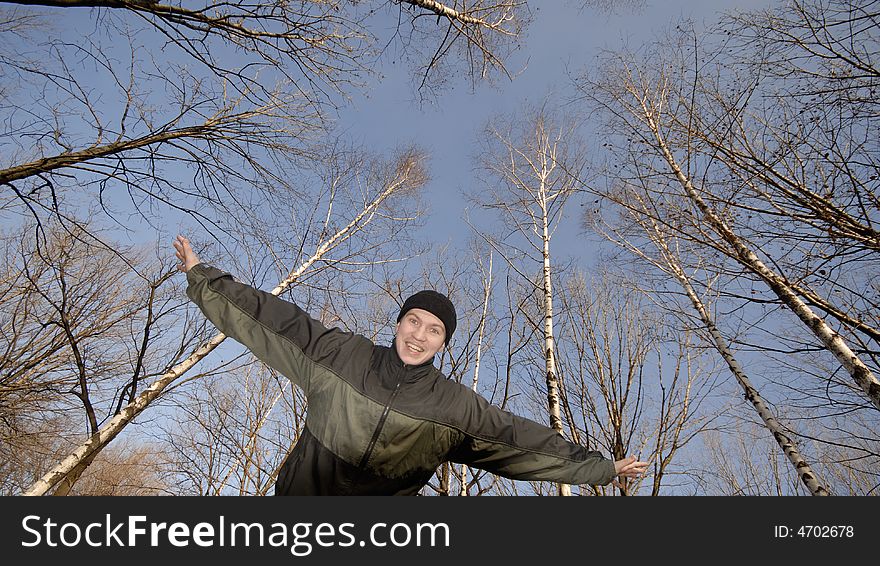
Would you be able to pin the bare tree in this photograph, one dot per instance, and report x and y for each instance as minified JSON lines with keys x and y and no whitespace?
{"x":316,"y":45}
{"x":746,"y":465}
{"x":201,"y":139}
{"x":231,"y":434}
{"x":531,"y":172}
{"x":163,"y":142}
{"x":312,"y":44}
{"x":486,"y":276}
{"x":661,"y":112}
{"x":124,"y":470}
{"x":439,"y":36}
{"x":31,"y":443}
{"x":861,"y":374}
{"x":82,"y":329}
{"x":621,"y":403}
{"x":605,"y":352}
{"x":817,"y":174}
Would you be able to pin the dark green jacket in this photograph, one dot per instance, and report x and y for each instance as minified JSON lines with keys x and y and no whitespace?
{"x":374,"y":424}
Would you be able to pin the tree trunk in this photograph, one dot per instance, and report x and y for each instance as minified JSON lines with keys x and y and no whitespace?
{"x":549,"y":343}
{"x":487,"y":290}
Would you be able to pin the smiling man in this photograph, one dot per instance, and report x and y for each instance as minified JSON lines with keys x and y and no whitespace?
{"x":381,"y":420}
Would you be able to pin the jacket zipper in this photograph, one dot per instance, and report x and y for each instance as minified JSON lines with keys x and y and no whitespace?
{"x":381,"y":424}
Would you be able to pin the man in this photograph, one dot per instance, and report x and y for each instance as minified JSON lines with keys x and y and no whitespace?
{"x":381,"y":420}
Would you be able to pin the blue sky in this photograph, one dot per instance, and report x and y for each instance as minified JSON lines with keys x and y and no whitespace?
{"x":562,"y":40}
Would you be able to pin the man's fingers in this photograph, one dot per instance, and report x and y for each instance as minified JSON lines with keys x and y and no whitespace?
{"x":630,"y":474}
{"x":182,"y":251}
{"x":633,"y":469}
{"x":182,"y":246}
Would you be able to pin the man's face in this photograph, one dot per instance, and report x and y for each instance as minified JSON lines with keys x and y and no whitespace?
{"x":420,"y":335}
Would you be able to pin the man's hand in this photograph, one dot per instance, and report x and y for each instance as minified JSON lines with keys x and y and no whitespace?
{"x":185,"y":254}
{"x":629,"y":467}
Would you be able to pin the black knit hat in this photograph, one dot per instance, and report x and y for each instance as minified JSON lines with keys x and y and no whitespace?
{"x":435,"y":303}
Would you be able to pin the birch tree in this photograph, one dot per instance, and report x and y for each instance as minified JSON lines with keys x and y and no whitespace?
{"x":486,"y":277}
{"x":861,"y":374}
{"x":531,"y":171}
{"x":818,"y":175}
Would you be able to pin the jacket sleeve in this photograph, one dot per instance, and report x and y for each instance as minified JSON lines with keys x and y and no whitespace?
{"x":278,"y":332}
{"x":518,"y":448}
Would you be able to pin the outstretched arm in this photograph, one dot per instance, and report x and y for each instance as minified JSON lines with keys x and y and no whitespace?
{"x":514,"y":447}
{"x":506,"y":444}
{"x":278,"y":332}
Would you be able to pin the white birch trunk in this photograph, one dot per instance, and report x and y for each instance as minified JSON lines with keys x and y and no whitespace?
{"x":549,"y":343}
{"x":455,"y":15}
{"x":487,"y":290}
